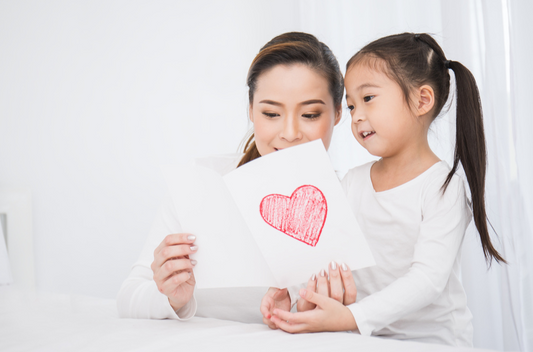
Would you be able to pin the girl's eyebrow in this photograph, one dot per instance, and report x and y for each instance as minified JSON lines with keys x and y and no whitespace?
{"x":367,"y":85}
{"x":363,"y":86}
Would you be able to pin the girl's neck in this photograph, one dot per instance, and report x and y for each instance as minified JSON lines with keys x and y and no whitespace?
{"x":393,"y":171}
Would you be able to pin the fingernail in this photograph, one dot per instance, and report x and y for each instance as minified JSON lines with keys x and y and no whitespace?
{"x":191,"y":237}
{"x":322,"y":273}
{"x":193,"y":262}
{"x":313,"y":278}
{"x":333,"y":265}
{"x":193,"y":248}
{"x":344,"y":267}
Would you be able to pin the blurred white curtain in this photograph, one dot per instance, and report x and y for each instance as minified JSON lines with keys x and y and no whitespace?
{"x":493,"y":39}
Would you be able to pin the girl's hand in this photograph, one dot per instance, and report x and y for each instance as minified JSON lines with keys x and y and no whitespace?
{"x":329,"y":315}
{"x":172,"y":268}
{"x":274,"y":299}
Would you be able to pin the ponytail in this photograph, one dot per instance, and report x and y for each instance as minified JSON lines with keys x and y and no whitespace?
{"x":250,"y":151}
{"x":470,"y":150}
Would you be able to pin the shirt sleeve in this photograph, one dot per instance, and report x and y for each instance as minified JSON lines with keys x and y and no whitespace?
{"x":138,"y":296}
{"x":445,"y":218}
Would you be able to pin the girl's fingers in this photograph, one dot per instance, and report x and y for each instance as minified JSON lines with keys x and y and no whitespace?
{"x":292,"y":318}
{"x":288,"y":327}
{"x":270,"y":323}
{"x":322,"y":286}
{"x":320,"y":300}
{"x":335,"y":283}
{"x":350,"y":290}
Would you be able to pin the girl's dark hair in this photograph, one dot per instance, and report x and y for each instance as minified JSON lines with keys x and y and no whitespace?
{"x":288,"y":49}
{"x":413,"y":60}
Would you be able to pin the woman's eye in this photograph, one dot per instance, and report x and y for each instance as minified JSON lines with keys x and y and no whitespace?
{"x":311,"y":116}
{"x":270,"y":114}
{"x":351,"y":107}
{"x":368,"y":98}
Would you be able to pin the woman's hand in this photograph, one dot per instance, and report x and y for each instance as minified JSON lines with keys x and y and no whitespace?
{"x":340,"y":287}
{"x":172,"y":268}
{"x":274,"y":299}
{"x":329,"y":315}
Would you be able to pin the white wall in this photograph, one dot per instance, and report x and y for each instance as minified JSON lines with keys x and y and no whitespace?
{"x":95,"y":95}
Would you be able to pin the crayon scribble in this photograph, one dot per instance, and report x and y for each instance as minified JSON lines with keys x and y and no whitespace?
{"x":301,"y":216}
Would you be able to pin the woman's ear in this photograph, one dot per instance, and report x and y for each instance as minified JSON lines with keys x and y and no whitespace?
{"x":425,"y":99}
{"x":250,"y":113}
{"x":338,"y":114}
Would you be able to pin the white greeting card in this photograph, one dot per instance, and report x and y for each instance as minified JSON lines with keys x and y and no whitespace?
{"x":271,"y":222}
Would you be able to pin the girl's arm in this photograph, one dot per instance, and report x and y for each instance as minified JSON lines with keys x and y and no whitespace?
{"x":445,"y":219}
{"x":139,"y":296}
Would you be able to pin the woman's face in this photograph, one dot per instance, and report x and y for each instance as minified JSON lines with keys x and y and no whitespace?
{"x":292,"y":105}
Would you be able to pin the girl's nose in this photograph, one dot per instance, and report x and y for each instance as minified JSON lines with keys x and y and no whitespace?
{"x":358,"y":116}
{"x":291,"y":129}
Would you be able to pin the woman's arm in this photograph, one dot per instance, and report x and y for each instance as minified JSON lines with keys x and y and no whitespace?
{"x":139,"y":296}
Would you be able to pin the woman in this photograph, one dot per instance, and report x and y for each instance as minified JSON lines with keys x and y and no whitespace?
{"x":295,"y":93}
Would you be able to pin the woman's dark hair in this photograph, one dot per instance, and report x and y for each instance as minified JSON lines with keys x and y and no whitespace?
{"x":413,"y":60}
{"x":288,"y":49}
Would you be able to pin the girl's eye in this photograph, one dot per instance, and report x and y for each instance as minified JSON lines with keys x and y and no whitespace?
{"x":311,"y":116}
{"x":270,"y":114}
{"x":351,"y":107}
{"x":368,"y":98}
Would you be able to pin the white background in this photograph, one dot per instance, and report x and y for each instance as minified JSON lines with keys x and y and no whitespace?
{"x":95,"y":95}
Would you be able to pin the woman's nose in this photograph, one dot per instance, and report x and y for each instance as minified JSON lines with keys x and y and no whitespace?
{"x":291,"y":129}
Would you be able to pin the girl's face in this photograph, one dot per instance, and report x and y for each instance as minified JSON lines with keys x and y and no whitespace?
{"x":292,"y":105}
{"x":382,"y":122}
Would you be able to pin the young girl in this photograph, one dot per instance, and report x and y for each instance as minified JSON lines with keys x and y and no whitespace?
{"x":295,"y":94}
{"x":411,"y":206}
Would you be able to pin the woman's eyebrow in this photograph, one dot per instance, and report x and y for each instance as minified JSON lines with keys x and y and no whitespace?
{"x":271,"y":102}
{"x":312,"y":101}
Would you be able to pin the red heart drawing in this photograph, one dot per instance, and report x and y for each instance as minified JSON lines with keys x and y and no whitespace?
{"x":301,"y":216}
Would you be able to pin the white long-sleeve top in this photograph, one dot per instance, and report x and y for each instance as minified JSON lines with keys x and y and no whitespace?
{"x":415,"y":233}
{"x":139,"y":297}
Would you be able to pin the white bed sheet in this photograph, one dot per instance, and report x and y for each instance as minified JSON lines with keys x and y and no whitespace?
{"x":52,"y":322}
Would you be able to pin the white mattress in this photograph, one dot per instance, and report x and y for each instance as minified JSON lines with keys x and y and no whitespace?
{"x":52,"y":322}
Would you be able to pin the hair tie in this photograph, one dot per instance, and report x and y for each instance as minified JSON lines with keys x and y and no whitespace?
{"x":447,"y":64}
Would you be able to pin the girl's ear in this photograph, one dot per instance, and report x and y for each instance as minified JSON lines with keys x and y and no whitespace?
{"x":425,"y":99}
{"x":338,"y":114}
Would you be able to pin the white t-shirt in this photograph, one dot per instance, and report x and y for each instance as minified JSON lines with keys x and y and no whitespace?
{"x":139,"y":297}
{"x":415,"y":234}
